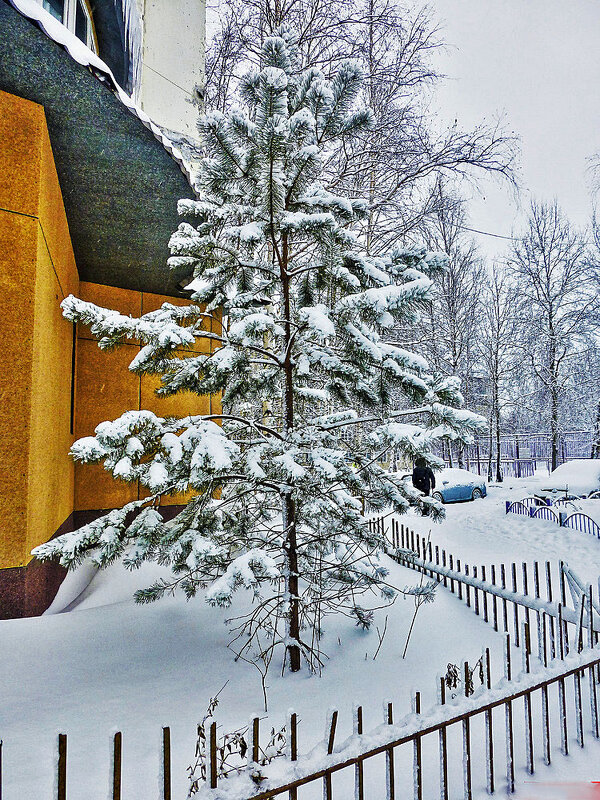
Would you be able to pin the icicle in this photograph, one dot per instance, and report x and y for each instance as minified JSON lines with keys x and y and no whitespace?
{"x":133,"y":39}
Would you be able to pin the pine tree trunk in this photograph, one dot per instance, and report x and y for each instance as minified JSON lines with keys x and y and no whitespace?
{"x":288,"y":502}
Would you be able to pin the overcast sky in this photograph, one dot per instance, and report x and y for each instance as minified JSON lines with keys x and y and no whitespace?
{"x":538,"y":63}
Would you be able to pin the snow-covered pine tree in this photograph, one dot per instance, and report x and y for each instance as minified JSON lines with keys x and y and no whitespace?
{"x":280,"y":500}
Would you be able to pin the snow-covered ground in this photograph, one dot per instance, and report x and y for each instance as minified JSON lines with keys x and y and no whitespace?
{"x":480,"y":532}
{"x":108,"y":664}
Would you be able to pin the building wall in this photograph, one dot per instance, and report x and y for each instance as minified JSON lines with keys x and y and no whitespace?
{"x":173,"y":46}
{"x":105,"y":389}
{"x":55,"y":383}
{"x":37,"y":270}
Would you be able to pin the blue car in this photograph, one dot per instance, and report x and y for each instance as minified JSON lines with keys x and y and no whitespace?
{"x":453,"y":485}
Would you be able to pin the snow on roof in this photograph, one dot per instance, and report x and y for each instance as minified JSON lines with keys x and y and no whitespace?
{"x":82,"y":54}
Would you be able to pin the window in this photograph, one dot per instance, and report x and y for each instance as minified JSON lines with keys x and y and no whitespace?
{"x":83,"y":24}
{"x":76,"y":16}
{"x":56,"y":8}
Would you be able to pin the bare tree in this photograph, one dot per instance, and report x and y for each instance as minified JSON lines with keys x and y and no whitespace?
{"x":397,"y":165}
{"x":497,"y":349}
{"x":451,"y":323}
{"x":557,"y":302}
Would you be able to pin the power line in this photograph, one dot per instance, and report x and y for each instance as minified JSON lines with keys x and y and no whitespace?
{"x":487,"y":233}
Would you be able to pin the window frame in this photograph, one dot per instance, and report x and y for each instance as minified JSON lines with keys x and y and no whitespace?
{"x":70,"y":15}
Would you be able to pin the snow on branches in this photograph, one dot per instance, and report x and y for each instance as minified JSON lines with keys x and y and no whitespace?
{"x":280,"y":484}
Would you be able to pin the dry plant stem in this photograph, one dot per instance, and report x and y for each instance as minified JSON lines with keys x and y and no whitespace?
{"x":419,"y":600}
{"x":381,"y":637}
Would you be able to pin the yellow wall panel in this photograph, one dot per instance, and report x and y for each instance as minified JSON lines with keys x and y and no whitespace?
{"x":37,"y":268}
{"x":123,"y":300}
{"x":18,"y":256}
{"x":50,"y":469}
{"x":21,"y":125}
{"x":54,"y":221}
{"x":105,"y":389}
{"x":178,"y":405}
{"x":105,"y":386}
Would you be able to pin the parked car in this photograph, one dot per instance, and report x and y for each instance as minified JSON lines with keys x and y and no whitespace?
{"x":454,"y":485}
{"x":579,"y":477}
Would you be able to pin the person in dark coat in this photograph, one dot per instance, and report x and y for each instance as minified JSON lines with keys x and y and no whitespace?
{"x":423,"y":478}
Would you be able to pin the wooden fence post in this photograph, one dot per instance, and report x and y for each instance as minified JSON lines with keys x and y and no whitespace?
{"x":494,"y":599}
{"x":460,"y":591}
{"x":417,"y":761}
{"x":489,"y":734}
{"x":293,"y":748}
{"x":466,"y":736}
{"x":467,"y":587}
{"x":390,"y":783}
{"x":562,"y":704}
{"x":117,"y":760}
{"x":327,"y":787}
{"x":549,"y":581}
{"x":359,"y":788}
{"x":593,"y":703}
{"x":443,"y":565}
{"x":545,"y":706}
{"x":510,"y":752}
{"x":578,"y":708}
{"x":504,"y":603}
{"x":590,"y":625}
{"x":61,"y":793}
{"x":212,"y":745}
{"x":526,"y":642}
{"x":451,"y":560}
{"x":166,"y":763}
{"x":484,"y":596}
{"x":443,"y":744}
{"x":513,"y":568}
{"x":526,"y":593}
{"x":476,"y":592}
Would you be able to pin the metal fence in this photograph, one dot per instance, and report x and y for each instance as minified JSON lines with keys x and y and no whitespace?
{"x":576,"y":520}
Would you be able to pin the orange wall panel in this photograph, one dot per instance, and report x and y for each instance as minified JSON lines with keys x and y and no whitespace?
{"x":37,"y":269}
{"x":106,"y":388}
{"x":50,"y":474}
{"x":21,"y":127}
{"x":18,"y":257}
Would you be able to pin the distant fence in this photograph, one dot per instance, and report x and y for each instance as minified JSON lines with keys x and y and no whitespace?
{"x":510,"y":467}
{"x":534,"y":447}
{"x":576,"y":520}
